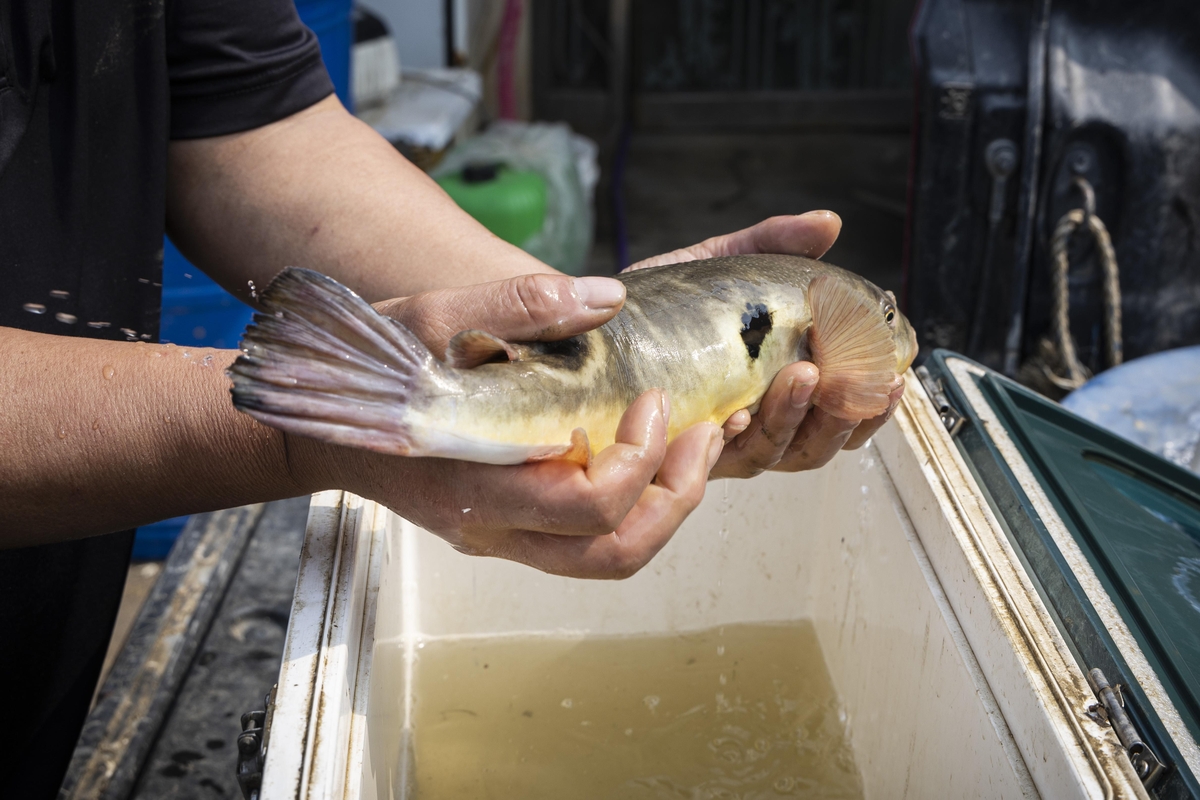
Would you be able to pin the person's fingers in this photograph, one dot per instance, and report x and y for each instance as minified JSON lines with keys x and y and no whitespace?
{"x":525,"y":308}
{"x":810,"y":234}
{"x":650,"y":524}
{"x":738,"y":421}
{"x":868,"y":427}
{"x":773,"y":430}
{"x":677,"y":489}
{"x":820,"y":437}
{"x":561,"y":497}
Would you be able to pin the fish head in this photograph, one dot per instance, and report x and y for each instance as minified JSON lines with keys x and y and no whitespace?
{"x":876,"y":315}
{"x":903,"y":334}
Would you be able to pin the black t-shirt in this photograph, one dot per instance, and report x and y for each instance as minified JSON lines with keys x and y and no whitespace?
{"x":90,"y":93}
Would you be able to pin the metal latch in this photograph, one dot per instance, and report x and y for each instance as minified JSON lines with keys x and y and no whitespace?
{"x":947,"y":413}
{"x":252,"y":747}
{"x":1112,"y":710}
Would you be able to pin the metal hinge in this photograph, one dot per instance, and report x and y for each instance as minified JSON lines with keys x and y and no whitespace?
{"x":947,"y":413}
{"x":252,"y":747}
{"x":1111,"y":709}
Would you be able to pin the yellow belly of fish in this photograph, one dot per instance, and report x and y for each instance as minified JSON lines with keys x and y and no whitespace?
{"x":598,"y":422}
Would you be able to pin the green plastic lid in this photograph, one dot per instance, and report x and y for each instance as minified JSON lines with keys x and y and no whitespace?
{"x":510,"y":203}
{"x":1136,"y":519}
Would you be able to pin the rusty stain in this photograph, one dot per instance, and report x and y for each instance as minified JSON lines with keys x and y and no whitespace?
{"x":343,"y":561}
{"x":1094,"y":590}
{"x":1010,"y":609}
{"x":1067,"y":678}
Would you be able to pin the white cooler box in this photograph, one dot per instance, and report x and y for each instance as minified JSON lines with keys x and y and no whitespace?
{"x":951,"y":668}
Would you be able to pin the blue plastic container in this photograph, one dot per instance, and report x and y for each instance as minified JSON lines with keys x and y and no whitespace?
{"x":198,"y":312}
{"x":195,"y":310}
{"x":330,"y":21}
{"x":1153,"y":401}
{"x":154,"y":542}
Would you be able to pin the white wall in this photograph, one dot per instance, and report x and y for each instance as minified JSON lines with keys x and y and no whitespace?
{"x":419,"y":27}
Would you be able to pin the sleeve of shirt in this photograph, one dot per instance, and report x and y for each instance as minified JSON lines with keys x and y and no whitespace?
{"x":239,"y":64}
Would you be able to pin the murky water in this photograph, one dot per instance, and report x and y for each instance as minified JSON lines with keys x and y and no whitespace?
{"x":743,"y":711}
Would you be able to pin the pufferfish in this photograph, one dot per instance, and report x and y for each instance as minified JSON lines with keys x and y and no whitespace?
{"x":319,"y":361}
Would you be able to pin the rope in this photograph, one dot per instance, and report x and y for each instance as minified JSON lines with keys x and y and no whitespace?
{"x":1073,"y":220}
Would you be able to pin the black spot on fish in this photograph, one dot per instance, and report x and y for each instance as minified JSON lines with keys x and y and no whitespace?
{"x":756,"y":324}
{"x":573,"y":352}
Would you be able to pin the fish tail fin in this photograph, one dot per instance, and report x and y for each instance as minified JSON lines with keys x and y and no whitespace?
{"x":853,"y":348}
{"x":320,"y":362}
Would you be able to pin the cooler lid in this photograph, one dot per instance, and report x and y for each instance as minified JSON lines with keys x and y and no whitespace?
{"x":1133,"y":516}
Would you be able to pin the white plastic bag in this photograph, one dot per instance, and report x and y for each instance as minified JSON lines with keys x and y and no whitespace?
{"x":559,"y":156}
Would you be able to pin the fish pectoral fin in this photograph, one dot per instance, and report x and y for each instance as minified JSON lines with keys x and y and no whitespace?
{"x":471,"y":348}
{"x":853,"y":348}
{"x":579,"y":450}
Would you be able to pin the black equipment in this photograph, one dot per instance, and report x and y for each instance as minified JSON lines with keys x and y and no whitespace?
{"x":1016,"y":100}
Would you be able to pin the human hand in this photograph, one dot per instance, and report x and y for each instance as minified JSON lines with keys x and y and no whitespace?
{"x":787,"y":433}
{"x":603,"y":521}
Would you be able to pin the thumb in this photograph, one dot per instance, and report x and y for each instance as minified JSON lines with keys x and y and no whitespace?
{"x":525,"y":308}
{"x":809,"y":234}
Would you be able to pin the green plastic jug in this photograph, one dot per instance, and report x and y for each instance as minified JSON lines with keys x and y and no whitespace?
{"x":510,"y":203}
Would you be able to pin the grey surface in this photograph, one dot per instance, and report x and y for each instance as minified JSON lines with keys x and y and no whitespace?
{"x":237,"y":663}
{"x":682,"y":189}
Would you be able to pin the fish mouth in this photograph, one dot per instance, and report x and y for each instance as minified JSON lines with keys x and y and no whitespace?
{"x":906,"y":349}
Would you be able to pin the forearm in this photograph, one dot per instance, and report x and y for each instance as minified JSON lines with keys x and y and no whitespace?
{"x":322,"y":190}
{"x":102,"y":436}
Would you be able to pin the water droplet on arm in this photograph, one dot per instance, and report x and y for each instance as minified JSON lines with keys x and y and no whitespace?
{"x":62,"y":433}
{"x":108,"y":372}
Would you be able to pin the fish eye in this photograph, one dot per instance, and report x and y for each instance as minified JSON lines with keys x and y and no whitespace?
{"x":889,"y":315}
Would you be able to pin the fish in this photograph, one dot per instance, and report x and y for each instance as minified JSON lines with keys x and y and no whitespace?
{"x":321,"y":362}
